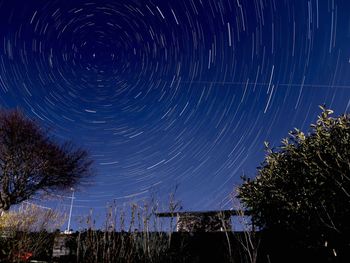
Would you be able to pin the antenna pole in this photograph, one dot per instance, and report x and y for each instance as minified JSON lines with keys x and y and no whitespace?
{"x":70,"y":212}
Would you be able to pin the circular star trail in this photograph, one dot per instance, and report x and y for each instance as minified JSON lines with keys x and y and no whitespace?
{"x":166,"y":93}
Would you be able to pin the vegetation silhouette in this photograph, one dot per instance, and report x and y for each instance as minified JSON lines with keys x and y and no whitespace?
{"x":303,"y":186}
{"x":32,"y":163}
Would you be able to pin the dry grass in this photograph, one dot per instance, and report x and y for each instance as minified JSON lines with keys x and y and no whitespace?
{"x":128,"y":234}
{"x":25,"y":232}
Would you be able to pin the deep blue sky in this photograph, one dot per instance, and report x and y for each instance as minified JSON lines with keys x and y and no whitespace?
{"x":165,"y":93}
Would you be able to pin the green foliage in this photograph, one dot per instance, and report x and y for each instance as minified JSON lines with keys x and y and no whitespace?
{"x":303,"y":186}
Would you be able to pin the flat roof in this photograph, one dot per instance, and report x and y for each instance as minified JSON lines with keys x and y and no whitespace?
{"x":205,"y":213}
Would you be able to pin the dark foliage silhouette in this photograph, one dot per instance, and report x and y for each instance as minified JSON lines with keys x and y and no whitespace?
{"x":303,"y":186}
{"x":33,"y":163}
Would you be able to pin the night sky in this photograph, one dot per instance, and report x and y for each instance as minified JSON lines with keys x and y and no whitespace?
{"x":173,"y":93}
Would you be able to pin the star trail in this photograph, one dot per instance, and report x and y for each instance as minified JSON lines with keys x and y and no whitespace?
{"x":166,"y":93}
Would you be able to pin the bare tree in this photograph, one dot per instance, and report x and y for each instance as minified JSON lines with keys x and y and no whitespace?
{"x":33,"y":163}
